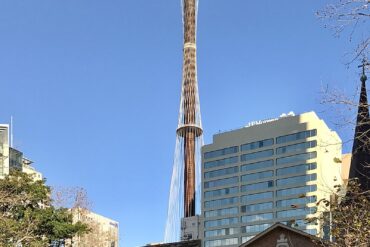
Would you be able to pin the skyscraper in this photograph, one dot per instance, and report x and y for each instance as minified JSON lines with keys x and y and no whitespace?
{"x":270,"y":171}
{"x":182,"y":202}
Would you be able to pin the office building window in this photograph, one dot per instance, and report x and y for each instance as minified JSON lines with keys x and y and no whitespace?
{"x":221,"y":222}
{"x":221,"y":232}
{"x":221,"y":242}
{"x":296,"y":180}
{"x":296,"y":147}
{"x":221,"y":202}
{"x":255,"y":228}
{"x":222,"y":172}
{"x":257,"y":186}
{"x":296,"y":136}
{"x":247,"y":238}
{"x":295,"y":201}
{"x":296,"y":158}
{"x":311,"y":231}
{"x":257,"y":165}
{"x":257,"y":144}
{"x":221,"y":152}
{"x":221,"y":212}
{"x":258,"y":175}
{"x":221,"y":182}
{"x":256,"y":207}
{"x":257,"y":196}
{"x":216,"y":163}
{"x":257,"y":217}
{"x":257,"y":155}
{"x":221,"y":192}
{"x":296,"y":191}
{"x":295,"y":212}
{"x":302,"y":168}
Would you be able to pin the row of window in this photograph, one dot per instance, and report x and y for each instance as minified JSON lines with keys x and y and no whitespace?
{"x":221,"y":242}
{"x":222,"y":172}
{"x":262,"y":185}
{"x":216,"y":163}
{"x":221,"y":152}
{"x":298,"y":191}
{"x":221,"y":222}
{"x":221,"y":212}
{"x":221,"y":232}
{"x":302,"y":168}
{"x":221,"y":202}
{"x":221,"y":182}
{"x":296,"y":147}
{"x":297,"y":212}
{"x":221,"y":192}
{"x":262,"y":164}
{"x":260,"y":144}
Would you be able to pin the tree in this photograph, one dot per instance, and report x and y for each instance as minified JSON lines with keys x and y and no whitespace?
{"x":352,"y":18}
{"x":27,"y":217}
{"x":348,"y":218}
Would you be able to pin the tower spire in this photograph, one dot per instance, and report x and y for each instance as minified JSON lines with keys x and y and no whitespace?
{"x":189,"y":126}
{"x":360,"y":163}
{"x":185,"y":181}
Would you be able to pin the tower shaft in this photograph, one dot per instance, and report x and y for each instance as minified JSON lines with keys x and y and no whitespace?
{"x":189,"y":129}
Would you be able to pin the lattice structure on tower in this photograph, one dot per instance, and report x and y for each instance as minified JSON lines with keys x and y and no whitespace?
{"x":184,"y":199}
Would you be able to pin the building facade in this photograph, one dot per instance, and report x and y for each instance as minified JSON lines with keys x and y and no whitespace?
{"x":269,"y":171}
{"x":104,"y":232}
{"x":11,"y":158}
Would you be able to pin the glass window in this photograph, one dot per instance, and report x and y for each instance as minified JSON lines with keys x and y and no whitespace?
{"x":296,"y":191}
{"x":258,"y":175}
{"x":245,"y":239}
{"x":221,"y":232}
{"x":221,"y":172}
{"x":296,"y":158}
{"x":296,"y":136}
{"x":221,"y":182}
{"x":296,"y":180}
{"x":295,"y":212}
{"x":255,"y":228}
{"x":221,"y":152}
{"x":221,"y":242}
{"x":296,"y":147}
{"x":311,"y":231}
{"x":295,"y":201}
{"x":257,"y":155}
{"x":256,"y":207}
{"x":257,"y":144}
{"x":257,"y":217}
{"x":216,"y":163}
{"x":221,"y":202}
{"x":221,"y":212}
{"x":221,"y":192}
{"x":257,"y":165}
{"x":258,"y":196}
{"x":257,"y":186}
{"x":302,"y":168}
{"x":221,"y":222}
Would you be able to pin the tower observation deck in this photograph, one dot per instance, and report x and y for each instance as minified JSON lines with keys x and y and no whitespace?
{"x":185,"y":182}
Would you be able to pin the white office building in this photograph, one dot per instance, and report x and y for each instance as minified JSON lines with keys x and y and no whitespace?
{"x":269,"y":171}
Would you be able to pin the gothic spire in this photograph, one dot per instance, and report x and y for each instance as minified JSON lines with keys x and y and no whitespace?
{"x":360,"y":163}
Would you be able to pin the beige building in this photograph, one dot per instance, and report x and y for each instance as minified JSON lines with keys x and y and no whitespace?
{"x":4,"y":150}
{"x":270,"y":171}
{"x":104,"y":231}
{"x":11,"y":158}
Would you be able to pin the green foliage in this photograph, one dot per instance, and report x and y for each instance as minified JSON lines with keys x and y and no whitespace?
{"x":350,"y":218}
{"x":27,"y":216}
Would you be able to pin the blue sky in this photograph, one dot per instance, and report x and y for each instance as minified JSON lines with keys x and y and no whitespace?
{"x":94,"y":87}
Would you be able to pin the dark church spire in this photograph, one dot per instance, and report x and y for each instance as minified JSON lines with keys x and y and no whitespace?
{"x":360,"y":163}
